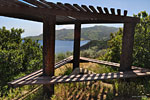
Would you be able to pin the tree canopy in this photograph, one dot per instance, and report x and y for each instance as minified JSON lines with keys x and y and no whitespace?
{"x":141,"y":52}
{"x":17,"y":56}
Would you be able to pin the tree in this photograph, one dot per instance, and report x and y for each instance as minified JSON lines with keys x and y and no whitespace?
{"x":141,"y":52}
{"x":17,"y":56}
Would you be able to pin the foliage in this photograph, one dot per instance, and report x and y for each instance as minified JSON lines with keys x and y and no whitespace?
{"x":94,"y":49}
{"x":142,"y":41}
{"x":17,"y":56}
{"x":141,"y":50}
{"x":114,"y":44}
{"x":99,"y":45}
{"x":90,"y":33}
{"x":61,"y":56}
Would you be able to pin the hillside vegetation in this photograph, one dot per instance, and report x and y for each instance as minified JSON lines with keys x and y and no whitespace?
{"x":90,"y":33}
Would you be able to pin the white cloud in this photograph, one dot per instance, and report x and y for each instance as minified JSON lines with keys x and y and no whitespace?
{"x":58,"y":27}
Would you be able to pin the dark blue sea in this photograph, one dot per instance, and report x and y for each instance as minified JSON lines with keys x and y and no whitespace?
{"x":62,"y":46}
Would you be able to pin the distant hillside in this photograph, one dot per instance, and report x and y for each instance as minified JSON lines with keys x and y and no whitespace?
{"x":90,"y":33}
{"x":95,"y":43}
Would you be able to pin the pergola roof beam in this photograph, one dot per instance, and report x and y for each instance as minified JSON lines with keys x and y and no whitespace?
{"x":63,"y":6}
{"x":119,"y":12}
{"x":36,"y":3}
{"x":7,"y":3}
{"x":71,"y":7}
{"x":80,"y":8}
{"x":100,"y":10}
{"x":106,"y":10}
{"x":112,"y":11}
{"x":125,"y":12}
{"x":86,"y":8}
{"x":73,"y":12}
{"x":93,"y":9}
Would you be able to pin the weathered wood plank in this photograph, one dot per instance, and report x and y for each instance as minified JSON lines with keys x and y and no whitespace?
{"x":16,"y":2}
{"x":86,"y":8}
{"x":119,"y":12}
{"x":71,"y":7}
{"x":83,"y":59}
{"x":8,"y":3}
{"x":40,"y":72}
{"x":127,"y":46}
{"x":63,"y":6}
{"x":100,"y":10}
{"x":52,"y":5}
{"x":48,"y":52}
{"x":86,"y":77}
{"x":49,"y":45}
{"x":106,"y":10}
{"x":33,"y":3}
{"x":37,"y":3}
{"x":76,"y":52}
{"x":125,"y":12}
{"x":93,"y":9}
{"x":112,"y":11}
{"x":80,"y":8}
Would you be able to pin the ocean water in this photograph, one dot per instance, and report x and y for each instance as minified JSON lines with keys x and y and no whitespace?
{"x":62,"y":46}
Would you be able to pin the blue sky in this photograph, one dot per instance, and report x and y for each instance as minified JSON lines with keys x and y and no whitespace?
{"x":35,"y":28}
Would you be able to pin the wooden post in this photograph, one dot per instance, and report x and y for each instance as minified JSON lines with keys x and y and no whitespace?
{"x":48,"y":52}
{"x":76,"y":52}
{"x":127,"y":46}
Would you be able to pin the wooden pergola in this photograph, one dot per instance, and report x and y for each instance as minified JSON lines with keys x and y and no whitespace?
{"x":51,"y":14}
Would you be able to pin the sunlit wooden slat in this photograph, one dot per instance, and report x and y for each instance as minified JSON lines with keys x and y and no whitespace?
{"x":80,"y":8}
{"x":71,"y":7}
{"x":106,"y":10}
{"x":100,"y":10}
{"x":93,"y":9}
{"x":86,"y":8}
{"x":63,"y":6}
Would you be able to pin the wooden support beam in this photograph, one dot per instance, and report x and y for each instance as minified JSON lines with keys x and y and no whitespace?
{"x":48,"y":52}
{"x":76,"y":52}
{"x":127,"y":46}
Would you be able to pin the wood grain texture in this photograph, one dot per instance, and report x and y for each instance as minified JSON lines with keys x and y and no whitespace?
{"x":127,"y":46}
{"x":34,"y":10}
{"x":86,"y":77}
{"x":112,"y":11}
{"x":76,"y":51}
{"x":93,"y":9}
{"x":38,"y":73}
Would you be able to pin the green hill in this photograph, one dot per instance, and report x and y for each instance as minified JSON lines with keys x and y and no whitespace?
{"x":90,"y":33}
{"x":95,"y":43}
